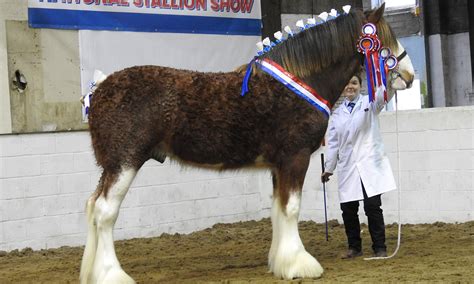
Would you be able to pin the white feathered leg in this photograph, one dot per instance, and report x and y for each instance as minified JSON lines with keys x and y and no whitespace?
{"x":91,"y":243}
{"x":275,"y":231}
{"x":106,"y":267}
{"x":290,"y":259}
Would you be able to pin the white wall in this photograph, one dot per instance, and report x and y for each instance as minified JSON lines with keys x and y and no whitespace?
{"x":45,"y":180}
{"x":436,"y":163}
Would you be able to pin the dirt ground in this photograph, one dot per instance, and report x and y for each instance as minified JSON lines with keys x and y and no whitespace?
{"x":237,"y":253}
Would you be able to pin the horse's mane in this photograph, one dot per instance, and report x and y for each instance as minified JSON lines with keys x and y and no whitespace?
{"x":315,"y":48}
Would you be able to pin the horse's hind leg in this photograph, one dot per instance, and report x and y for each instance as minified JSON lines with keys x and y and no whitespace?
{"x":91,"y":243}
{"x":103,"y":265}
{"x":288,"y":258}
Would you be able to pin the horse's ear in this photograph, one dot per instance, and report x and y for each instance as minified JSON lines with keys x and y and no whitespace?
{"x":376,"y":15}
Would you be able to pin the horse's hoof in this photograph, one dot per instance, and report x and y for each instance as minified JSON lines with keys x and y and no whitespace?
{"x":300,"y":265}
{"x":117,"y":275}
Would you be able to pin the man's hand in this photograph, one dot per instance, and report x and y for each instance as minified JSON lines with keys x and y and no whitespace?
{"x":325,"y":176}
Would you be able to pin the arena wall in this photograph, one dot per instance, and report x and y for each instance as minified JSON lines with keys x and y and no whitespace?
{"x":45,"y":180}
{"x":436,"y":164}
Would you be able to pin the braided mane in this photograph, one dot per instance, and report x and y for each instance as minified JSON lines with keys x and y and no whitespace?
{"x":313,"y":49}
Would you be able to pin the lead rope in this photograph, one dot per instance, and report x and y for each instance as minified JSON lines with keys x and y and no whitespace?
{"x":399,"y":189}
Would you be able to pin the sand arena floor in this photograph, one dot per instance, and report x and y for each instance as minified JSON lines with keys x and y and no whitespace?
{"x":237,"y":253}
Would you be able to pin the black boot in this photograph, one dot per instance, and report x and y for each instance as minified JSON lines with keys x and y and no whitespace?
{"x":352,"y":225}
{"x":374,"y":213}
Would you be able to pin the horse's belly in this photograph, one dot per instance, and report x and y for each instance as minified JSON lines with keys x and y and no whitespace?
{"x":214,"y":153}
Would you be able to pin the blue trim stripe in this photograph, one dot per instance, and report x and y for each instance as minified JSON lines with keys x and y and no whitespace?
{"x":116,"y":21}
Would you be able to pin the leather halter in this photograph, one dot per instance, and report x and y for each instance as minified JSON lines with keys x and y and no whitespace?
{"x":402,"y":55}
{"x":394,"y":74}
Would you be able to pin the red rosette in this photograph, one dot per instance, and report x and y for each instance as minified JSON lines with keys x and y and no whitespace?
{"x":368,"y":43}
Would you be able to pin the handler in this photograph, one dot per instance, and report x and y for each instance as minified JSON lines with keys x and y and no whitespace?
{"x":355,"y":145}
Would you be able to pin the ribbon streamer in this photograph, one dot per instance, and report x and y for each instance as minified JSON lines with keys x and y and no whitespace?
{"x":376,"y":61}
{"x":288,"y":80}
{"x":295,"y":85}
{"x":248,"y":73}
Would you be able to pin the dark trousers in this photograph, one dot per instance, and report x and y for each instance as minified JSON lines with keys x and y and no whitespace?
{"x":375,"y":217}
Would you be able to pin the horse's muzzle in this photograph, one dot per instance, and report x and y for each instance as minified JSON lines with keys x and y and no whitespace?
{"x":407,"y":78}
{"x":402,"y":80}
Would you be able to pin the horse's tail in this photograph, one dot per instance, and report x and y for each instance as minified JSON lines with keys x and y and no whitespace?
{"x":99,"y":77}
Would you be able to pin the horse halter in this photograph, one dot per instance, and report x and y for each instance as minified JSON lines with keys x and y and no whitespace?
{"x":395,"y":74}
{"x":402,"y":55}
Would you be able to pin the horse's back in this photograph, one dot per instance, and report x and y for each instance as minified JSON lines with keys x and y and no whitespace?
{"x":148,"y":111}
{"x":196,"y":116}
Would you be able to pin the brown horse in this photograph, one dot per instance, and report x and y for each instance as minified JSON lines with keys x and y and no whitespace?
{"x":153,"y":112}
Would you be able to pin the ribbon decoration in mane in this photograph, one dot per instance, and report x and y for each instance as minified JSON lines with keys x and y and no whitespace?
{"x":378,"y":60}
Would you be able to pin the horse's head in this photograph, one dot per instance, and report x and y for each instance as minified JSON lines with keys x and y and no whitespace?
{"x":325,"y":55}
{"x":402,"y":76}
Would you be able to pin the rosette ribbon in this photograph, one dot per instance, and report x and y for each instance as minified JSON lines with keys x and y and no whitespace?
{"x":378,"y":60}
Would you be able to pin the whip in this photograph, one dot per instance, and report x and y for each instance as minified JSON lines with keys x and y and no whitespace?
{"x":324,"y":192}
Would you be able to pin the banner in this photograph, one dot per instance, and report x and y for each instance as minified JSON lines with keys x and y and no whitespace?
{"x":227,"y":17}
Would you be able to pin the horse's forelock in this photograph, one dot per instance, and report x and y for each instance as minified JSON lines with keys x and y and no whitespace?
{"x":386,"y":35}
{"x":384,"y":32}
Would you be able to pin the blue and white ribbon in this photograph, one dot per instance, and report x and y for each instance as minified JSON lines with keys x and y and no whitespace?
{"x":248,"y":73}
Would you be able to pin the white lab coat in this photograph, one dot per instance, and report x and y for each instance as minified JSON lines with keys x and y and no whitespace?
{"x":355,"y":145}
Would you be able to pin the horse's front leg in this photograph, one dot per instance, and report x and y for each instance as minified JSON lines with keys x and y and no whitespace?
{"x":288,"y":258}
{"x":106,"y":267}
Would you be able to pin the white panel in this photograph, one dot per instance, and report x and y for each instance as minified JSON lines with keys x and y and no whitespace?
{"x":60,"y":61}
{"x":113,"y":51}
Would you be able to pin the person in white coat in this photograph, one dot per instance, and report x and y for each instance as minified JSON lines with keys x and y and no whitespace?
{"x":354,"y":145}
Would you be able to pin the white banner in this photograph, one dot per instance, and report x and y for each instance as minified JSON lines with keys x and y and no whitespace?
{"x":233,"y":17}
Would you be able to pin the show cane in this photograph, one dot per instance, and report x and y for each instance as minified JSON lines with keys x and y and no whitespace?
{"x":324,"y":192}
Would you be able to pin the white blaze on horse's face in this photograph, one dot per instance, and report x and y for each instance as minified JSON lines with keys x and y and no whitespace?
{"x":404,"y":73}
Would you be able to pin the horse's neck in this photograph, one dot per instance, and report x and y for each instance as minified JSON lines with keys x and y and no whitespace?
{"x":330,"y":82}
